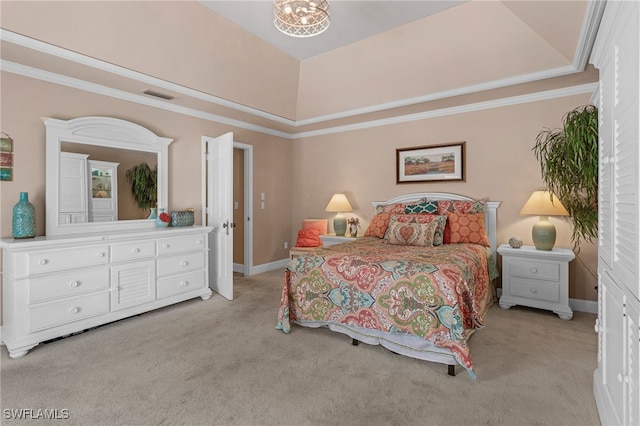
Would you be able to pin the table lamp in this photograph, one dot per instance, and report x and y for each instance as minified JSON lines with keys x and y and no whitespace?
{"x":339,"y":204}
{"x":543,"y":204}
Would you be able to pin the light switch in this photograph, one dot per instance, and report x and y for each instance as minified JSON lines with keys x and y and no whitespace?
{"x":261,"y":205}
{"x":262,"y":196}
{"x":236,"y":205}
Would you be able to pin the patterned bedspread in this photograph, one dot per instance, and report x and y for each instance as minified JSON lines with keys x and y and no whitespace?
{"x":437,"y":293}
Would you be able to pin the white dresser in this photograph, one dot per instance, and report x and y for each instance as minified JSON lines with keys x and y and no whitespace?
{"x":56,"y":286}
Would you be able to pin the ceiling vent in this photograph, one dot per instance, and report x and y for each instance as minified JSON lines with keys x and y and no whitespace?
{"x":158,"y":94}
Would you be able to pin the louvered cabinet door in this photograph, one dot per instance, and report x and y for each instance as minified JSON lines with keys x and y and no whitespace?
{"x":133,"y":284}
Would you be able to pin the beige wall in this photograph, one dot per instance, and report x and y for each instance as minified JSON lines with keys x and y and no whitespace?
{"x":24,"y":101}
{"x":499,"y":165}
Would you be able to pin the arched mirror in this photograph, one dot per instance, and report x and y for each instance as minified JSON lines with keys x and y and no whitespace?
{"x":87,"y":159}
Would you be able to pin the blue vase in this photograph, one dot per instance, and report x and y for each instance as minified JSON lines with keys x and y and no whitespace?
{"x":24,"y":218}
{"x":153,"y":214}
{"x":160,"y":223}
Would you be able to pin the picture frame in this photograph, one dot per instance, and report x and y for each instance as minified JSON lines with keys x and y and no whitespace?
{"x":433,"y":163}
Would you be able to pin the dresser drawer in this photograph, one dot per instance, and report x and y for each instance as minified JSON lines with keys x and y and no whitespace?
{"x":182,"y":283}
{"x":68,"y":284}
{"x":532,"y":289}
{"x":538,"y":270}
{"x":39,"y":262}
{"x":181,"y":244}
{"x":133,"y":250}
{"x":47,"y":315}
{"x":181,"y":263}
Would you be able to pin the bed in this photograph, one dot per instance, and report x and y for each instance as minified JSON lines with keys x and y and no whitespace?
{"x":416,"y":283}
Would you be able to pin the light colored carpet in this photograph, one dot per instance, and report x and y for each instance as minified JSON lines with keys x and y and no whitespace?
{"x":220,"y":362}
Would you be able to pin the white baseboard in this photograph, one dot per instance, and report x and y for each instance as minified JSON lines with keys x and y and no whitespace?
{"x":272,"y":266}
{"x":578,"y":305}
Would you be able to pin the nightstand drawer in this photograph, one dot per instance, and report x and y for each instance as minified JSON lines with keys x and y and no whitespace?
{"x":535,"y":269}
{"x":535,"y":290}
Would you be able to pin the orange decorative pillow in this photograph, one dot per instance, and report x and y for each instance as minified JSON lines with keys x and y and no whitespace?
{"x":467,"y":228}
{"x":457,"y":206}
{"x":378,"y":225}
{"x":410,"y":233}
{"x":309,"y":238}
{"x":319,"y":224}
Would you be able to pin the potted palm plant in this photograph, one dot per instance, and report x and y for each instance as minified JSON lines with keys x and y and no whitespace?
{"x":569,"y":163}
{"x":144,"y":186}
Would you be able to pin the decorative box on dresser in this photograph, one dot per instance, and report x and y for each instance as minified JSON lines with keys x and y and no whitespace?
{"x":616,"y":53}
{"x":57,"y":286}
{"x":536,"y":278}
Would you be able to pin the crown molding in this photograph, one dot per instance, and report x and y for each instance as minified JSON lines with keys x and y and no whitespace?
{"x":588,"y":32}
{"x":86,"y":86}
{"x":478,"y":106}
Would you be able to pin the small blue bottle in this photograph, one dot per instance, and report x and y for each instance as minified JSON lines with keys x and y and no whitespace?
{"x":24,"y":218}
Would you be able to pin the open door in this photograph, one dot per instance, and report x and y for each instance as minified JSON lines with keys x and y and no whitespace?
{"x":218,"y":210}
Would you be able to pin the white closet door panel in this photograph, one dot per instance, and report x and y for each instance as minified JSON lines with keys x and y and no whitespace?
{"x":626,"y":155}
{"x":632,"y":374}
{"x":605,"y":172}
{"x":613,"y":358}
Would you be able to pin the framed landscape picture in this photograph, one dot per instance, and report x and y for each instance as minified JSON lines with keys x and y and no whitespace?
{"x":434,"y":163}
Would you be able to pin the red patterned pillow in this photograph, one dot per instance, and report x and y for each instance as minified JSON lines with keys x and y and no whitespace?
{"x":378,"y":225}
{"x":309,"y":238}
{"x":467,"y":228}
{"x":410,"y":233}
{"x":456,"y":206}
{"x":441,"y":220}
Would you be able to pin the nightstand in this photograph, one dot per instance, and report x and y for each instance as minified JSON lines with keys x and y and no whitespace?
{"x":333,"y":239}
{"x":536,"y":278}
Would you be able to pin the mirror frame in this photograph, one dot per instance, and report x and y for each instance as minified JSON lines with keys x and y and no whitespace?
{"x":102,"y":131}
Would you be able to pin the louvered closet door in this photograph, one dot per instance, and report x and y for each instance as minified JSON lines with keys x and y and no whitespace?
{"x":605,"y":164}
{"x":626,"y":135}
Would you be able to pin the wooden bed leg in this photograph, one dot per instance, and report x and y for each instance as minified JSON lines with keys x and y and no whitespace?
{"x":355,"y":342}
{"x":452,"y":370}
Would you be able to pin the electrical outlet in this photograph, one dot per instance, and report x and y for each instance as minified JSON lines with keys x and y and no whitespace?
{"x":286,"y":245}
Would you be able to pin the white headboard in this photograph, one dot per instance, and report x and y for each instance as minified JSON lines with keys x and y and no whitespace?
{"x":490,"y":214}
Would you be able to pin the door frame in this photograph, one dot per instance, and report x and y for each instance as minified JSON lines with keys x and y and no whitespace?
{"x":247,"y":268}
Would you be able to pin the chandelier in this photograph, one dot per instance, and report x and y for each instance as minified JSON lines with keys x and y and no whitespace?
{"x":301,"y":18}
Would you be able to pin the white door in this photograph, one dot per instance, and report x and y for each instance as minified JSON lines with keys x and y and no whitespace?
{"x":219,"y":211}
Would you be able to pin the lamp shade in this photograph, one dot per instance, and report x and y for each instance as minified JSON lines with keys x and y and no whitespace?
{"x":338,"y":204}
{"x":540,"y":204}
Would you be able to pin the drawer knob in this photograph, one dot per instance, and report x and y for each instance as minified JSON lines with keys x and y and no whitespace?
{"x":184,"y":263}
{"x":101,"y":254}
{"x":198,"y":242}
{"x":75,"y":310}
{"x":73,"y":284}
{"x":533,"y":290}
{"x":136,"y":250}
{"x":43,"y":261}
{"x":165,"y":246}
{"x":184,"y":283}
{"x":624,"y":378}
{"x":534,"y":270}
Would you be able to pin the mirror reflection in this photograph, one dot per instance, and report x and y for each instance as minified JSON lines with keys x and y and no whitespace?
{"x":93,"y":187}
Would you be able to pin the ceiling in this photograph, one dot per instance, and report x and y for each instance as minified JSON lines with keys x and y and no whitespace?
{"x":351,"y":21}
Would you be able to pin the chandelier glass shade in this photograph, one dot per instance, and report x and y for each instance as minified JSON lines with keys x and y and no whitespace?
{"x":301,"y":18}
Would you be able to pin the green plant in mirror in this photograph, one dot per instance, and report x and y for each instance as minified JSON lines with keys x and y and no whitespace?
{"x":144,"y":185}
{"x":569,"y":163}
